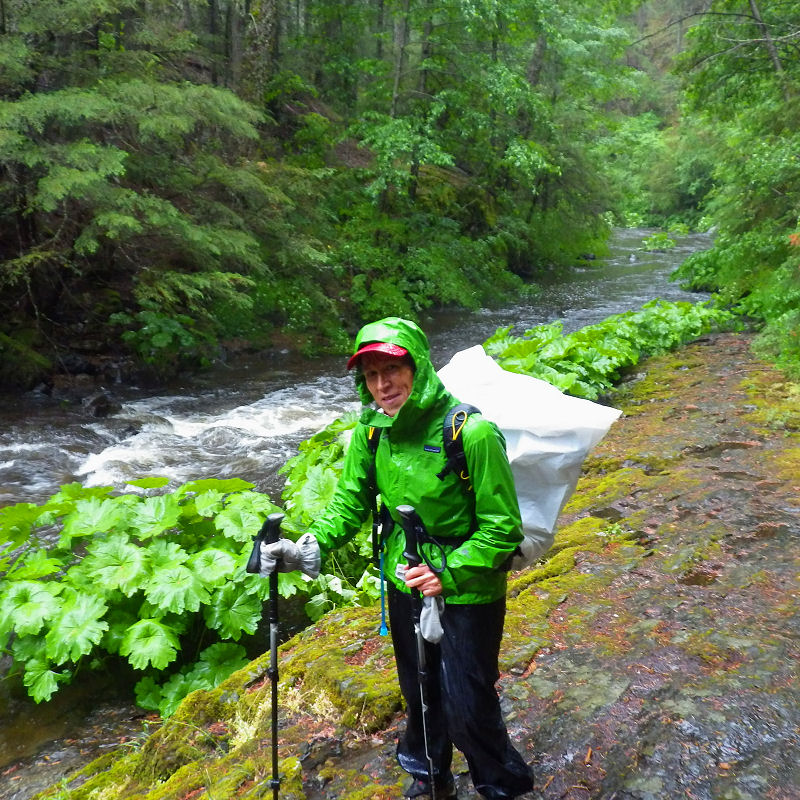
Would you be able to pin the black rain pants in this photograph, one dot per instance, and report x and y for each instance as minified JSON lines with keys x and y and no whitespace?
{"x":464,"y":709}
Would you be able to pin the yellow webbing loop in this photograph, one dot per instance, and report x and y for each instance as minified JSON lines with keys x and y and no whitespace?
{"x":459,"y":420}
{"x":457,"y":430}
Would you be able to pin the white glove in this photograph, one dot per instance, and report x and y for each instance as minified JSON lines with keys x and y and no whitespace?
{"x":288,"y":556}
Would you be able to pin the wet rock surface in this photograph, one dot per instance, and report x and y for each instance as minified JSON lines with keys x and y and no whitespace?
{"x":678,"y":677}
{"x":653,"y":655}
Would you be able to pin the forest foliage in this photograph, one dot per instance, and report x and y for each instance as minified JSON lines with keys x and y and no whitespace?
{"x":179,"y":182}
{"x":743,"y":65}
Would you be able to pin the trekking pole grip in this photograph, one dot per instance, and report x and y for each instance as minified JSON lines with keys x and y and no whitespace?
{"x":270,"y":532}
{"x":272,"y":527}
{"x":410,"y":520}
{"x":254,"y":562}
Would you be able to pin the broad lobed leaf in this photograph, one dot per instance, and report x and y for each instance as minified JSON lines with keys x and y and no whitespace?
{"x":149,"y":642}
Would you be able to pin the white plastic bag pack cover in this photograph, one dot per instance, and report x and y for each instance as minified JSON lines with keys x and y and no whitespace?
{"x":548,"y":435}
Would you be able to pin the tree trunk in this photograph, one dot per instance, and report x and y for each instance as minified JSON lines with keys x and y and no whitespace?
{"x":537,"y":61}
{"x":379,"y":30}
{"x":261,"y":51}
{"x":768,"y":42}
{"x":400,"y":40}
{"x":233,"y":48}
{"x":770,"y":45}
{"x":212,"y":33}
{"x":426,"y":51}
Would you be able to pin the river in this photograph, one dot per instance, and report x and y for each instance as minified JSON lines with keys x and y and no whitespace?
{"x":244,"y":421}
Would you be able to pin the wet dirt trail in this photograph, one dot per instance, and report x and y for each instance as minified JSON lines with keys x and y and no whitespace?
{"x":675,"y":672}
{"x":653,"y":655}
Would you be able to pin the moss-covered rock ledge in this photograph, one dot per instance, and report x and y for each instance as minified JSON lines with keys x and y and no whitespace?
{"x":653,"y":655}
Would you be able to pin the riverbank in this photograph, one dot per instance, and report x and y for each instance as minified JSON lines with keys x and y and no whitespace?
{"x":269,"y":405}
{"x":653,"y":655}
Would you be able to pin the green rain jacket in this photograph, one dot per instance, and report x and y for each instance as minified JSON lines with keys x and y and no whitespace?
{"x":409,"y":457}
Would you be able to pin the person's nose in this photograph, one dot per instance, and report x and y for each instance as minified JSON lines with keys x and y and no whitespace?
{"x":384,"y":380}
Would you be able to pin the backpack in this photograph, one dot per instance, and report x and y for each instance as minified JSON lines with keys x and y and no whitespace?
{"x":456,"y":459}
{"x":452,"y":425}
{"x":548,"y":435}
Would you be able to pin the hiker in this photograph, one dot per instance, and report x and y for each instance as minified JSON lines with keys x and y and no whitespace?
{"x":476,"y":525}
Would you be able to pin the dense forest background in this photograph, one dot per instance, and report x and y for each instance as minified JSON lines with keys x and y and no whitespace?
{"x":179,"y":181}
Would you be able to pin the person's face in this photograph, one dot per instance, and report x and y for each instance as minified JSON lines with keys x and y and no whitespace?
{"x":389,"y":380}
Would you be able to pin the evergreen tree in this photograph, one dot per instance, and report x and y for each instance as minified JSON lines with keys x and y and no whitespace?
{"x":190,"y":174}
{"x":117,"y":177}
{"x":743,"y":81}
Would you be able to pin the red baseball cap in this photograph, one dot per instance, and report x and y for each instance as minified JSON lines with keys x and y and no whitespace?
{"x":386,"y":348}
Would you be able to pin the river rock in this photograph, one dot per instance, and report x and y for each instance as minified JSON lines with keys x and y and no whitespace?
{"x":100,"y":404}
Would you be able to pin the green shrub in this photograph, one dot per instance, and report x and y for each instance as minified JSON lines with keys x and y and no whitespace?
{"x":586,"y":363}
{"x":89,"y":578}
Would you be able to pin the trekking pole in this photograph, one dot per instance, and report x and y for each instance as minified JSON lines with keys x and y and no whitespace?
{"x":273,"y":534}
{"x":412,"y":523}
{"x":270,"y":532}
{"x":380,"y":521}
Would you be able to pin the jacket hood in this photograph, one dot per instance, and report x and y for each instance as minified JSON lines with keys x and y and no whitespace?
{"x":427,"y":389}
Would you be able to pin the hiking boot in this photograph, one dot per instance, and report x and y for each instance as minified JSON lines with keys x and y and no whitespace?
{"x":422,"y":788}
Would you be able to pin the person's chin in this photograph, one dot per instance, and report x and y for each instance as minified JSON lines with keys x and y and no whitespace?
{"x":390,"y":409}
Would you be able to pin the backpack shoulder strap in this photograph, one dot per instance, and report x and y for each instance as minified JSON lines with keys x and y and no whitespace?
{"x":452,"y":426}
{"x":373,"y":438}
